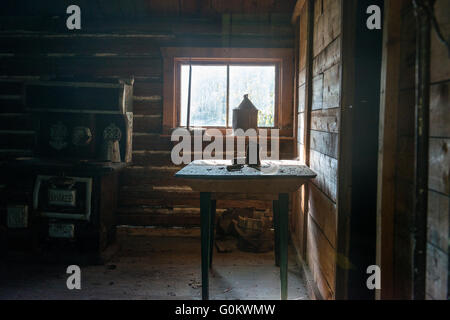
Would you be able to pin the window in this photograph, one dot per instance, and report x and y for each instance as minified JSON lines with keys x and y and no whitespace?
{"x":210,"y":92}
{"x":219,"y":79}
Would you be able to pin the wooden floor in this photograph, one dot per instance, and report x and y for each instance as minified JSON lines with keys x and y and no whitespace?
{"x":156,"y":264}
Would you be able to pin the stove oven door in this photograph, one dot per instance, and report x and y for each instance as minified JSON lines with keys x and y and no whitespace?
{"x":71,"y":203}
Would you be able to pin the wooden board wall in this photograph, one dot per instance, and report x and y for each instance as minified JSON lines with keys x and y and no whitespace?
{"x":146,"y":8}
{"x":299,"y":218}
{"x":325,"y":110}
{"x":437,"y":285}
{"x":398,"y":253}
{"x":39,"y":46}
{"x":438,"y":193}
{"x":318,"y":133}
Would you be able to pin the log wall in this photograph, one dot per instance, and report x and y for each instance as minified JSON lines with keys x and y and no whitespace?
{"x":117,"y":44}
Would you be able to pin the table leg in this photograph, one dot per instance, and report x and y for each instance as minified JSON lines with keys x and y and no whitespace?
{"x":205,"y":213}
{"x":213,"y":225}
{"x":276,"y":226}
{"x":283,"y":219}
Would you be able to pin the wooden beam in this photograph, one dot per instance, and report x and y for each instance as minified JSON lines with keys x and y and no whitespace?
{"x":309,"y":79}
{"x":307,"y":113}
{"x":348,"y":26}
{"x":388,"y":145}
{"x":297,"y":10}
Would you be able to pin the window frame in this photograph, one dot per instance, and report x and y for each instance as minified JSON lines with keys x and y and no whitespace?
{"x":219,"y":62}
{"x":281,"y":58}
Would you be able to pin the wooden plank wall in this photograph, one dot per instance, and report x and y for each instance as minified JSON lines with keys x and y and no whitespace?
{"x":325,"y":110}
{"x":39,"y":47}
{"x":298,"y":220}
{"x":323,"y":137}
{"x":438,"y":193}
{"x":439,"y":162}
{"x":437,"y":285}
{"x":138,"y":9}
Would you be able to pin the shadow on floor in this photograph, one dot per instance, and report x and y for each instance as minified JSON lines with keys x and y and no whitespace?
{"x":156,"y":264}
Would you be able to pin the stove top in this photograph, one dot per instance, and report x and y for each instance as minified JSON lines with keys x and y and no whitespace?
{"x":69,"y":165}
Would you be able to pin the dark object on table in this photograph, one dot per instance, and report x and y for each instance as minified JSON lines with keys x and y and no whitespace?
{"x":235,"y":167}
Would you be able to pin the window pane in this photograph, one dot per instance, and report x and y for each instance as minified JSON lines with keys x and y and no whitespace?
{"x":208,"y":95}
{"x":259,"y":83}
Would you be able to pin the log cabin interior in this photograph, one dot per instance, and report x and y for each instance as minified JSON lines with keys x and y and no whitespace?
{"x":90,"y":99}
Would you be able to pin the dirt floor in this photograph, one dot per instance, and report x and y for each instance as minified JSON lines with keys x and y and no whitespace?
{"x":156,"y":264}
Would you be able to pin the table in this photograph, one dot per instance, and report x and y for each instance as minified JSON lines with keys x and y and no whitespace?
{"x":210,"y":177}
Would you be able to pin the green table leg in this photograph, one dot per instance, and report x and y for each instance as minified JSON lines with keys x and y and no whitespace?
{"x":213,"y":225}
{"x":205,"y":213}
{"x":276,"y":226}
{"x":283,"y":219}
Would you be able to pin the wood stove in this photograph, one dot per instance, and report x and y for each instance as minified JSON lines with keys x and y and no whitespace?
{"x":83,"y":135}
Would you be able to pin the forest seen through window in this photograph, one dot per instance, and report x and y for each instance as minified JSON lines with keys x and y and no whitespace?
{"x":210,"y":91}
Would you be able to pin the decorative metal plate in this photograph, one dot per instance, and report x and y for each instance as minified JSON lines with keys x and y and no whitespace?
{"x":62,"y":197}
{"x":58,"y":136}
{"x":61,"y":230}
